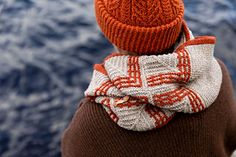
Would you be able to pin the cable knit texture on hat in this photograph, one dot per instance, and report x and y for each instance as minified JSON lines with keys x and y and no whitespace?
{"x":140,"y":26}
{"x":144,"y":92}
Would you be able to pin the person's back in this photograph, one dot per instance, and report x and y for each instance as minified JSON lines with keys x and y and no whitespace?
{"x":162,"y":94}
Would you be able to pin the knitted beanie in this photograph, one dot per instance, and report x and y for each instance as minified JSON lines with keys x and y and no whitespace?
{"x":140,"y":26}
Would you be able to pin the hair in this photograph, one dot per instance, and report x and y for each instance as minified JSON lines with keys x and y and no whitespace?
{"x":124,"y":52}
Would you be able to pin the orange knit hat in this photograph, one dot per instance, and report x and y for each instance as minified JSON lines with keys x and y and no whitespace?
{"x":140,"y":26}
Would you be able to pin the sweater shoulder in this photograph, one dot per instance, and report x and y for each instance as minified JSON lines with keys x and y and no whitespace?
{"x":227,"y":85}
{"x":89,"y":131}
{"x":90,"y":114}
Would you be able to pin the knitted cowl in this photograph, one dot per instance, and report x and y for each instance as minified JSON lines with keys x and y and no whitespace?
{"x":141,"y":93}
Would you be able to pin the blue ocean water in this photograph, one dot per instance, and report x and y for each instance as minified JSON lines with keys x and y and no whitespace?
{"x":47,"y":49}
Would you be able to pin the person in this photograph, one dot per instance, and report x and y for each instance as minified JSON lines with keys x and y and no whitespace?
{"x":161,"y":93}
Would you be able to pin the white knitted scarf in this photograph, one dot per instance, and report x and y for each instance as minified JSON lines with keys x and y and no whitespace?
{"x":145,"y":92}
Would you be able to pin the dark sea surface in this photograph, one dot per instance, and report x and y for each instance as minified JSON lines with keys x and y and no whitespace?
{"x":47,"y":49}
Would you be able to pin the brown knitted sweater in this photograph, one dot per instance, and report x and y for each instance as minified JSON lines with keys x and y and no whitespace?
{"x":210,"y":133}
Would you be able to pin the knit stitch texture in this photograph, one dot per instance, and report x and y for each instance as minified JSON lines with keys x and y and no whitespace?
{"x":141,"y":93}
{"x":140,"y":26}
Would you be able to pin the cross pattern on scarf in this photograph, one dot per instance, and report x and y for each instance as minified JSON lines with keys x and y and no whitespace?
{"x":157,"y":86}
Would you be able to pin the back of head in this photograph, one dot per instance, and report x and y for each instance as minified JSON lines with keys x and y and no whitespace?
{"x":140,"y":26}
